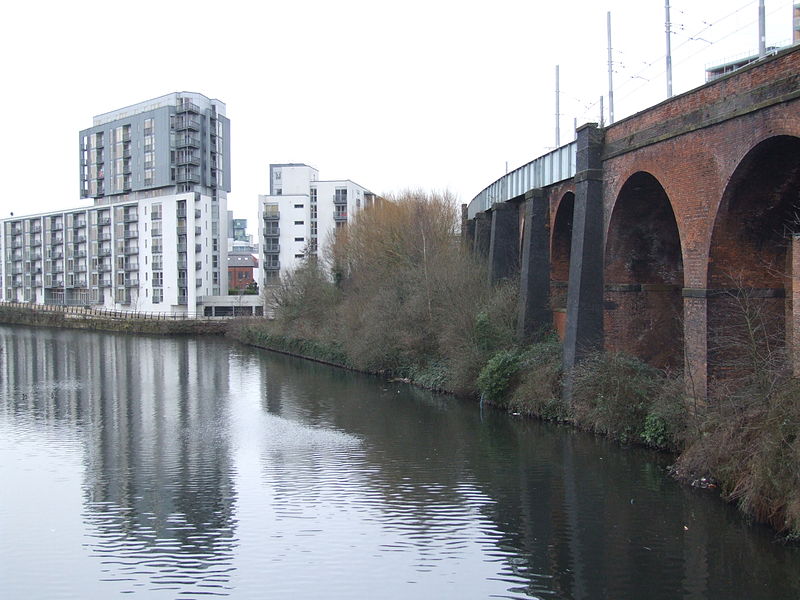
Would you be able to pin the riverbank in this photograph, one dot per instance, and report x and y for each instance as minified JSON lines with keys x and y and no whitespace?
{"x":748,"y":454}
{"x":99,"y":320}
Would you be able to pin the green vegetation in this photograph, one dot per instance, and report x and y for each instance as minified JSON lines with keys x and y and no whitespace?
{"x":405,"y":299}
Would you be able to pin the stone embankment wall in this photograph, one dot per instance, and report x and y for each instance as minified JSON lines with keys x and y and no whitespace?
{"x":19,"y":315}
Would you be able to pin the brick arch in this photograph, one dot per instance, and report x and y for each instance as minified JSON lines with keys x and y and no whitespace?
{"x":643,"y":273}
{"x":752,"y":247}
{"x":560,"y":248}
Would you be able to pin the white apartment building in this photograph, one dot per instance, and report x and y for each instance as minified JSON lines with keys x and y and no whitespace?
{"x":300,"y":215}
{"x":155,"y":238}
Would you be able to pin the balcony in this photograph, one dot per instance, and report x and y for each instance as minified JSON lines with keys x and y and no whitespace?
{"x":78,"y":224}
{"x":104,"y":221}
{"x":187,"y":176}
{"x":272,"y":232}
{"x":185,"y":158}
{"x":187,"y":141}
{"x":131,"y":282}
{"x":104,"y":252}
{"x":36,"y":227}
{"x":56,"y":226}
{"x":340,"y":216}
{"x":181,"y":213}
{"x":17,"y":243}
{"x":184,"y":123}
{"x":182,"y":264}
{"x":103,"y":268}
{"x":56,"y":254}
{"x":131,"y":249}
{"x":181,"y":247}
{"x":36,"y":242}
{"x":273,"y":249}
{"x":56,"y":240}
{"x":272,"y":266}
{"x":104,"y":237}
{"x":185,"y":105}
{"x":198,"y":282}
{"x":131,"y":234}
{"x":80,"y":268}
{"x":80,"y":253}
{"x":131,"y":218}
{"x":272,"y":216}
{"x":105,"y":282}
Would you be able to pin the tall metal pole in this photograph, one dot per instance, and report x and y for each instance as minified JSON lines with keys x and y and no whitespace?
{"x":762,"y":35}
{"x":558,"y":114}
{"x":669,"y":55}
{"x":602,"y":113}
{"x":610,"y":68}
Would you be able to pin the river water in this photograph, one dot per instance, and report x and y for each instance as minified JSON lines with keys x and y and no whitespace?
{"x":195,"y":468}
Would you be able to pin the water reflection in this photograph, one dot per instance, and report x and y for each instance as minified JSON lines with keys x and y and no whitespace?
{"x":158,"y":493}
{"x":182,"y":467}
{"x":557,"y":513}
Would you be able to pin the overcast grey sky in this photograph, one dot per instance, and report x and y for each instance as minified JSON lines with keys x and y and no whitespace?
{"x":432,"y":94}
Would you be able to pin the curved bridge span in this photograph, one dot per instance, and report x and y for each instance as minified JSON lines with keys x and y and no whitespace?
{"x":645,"y":236}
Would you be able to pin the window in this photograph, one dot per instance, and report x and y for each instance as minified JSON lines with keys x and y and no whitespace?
{"x":158,"y":279}
{"x":298,"y":206}
{"x":313,"y":195}
{"x":155,"y":214}
{"x":278,"y":192}
{"x":340,"y":195}
{"x":158,"y":295}
{"x":299,"y":222}
{"x":298,"y":256}
{"x":299,"y":239}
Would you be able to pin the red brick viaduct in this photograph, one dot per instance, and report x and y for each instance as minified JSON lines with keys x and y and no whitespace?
{"x":673,"y":216}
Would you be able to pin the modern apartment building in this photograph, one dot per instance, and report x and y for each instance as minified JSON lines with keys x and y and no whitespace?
{"x":155,"y":238}
{"x":300,"y":215}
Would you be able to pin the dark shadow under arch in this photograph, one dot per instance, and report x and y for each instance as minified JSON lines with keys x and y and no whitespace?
{"x":643,"y":274}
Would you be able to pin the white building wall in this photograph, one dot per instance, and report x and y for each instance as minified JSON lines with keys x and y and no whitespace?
{"x":295,"y":183}
{"x":116,"y":246}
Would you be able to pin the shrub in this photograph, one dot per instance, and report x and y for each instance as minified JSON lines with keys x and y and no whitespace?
{"x":539,"y":392}
{"x":495,"y":378}
{"x":628,"y":400}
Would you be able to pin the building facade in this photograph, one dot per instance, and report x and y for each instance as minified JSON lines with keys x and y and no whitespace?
{"x":155,"y":237}
{"x":300,"y":215}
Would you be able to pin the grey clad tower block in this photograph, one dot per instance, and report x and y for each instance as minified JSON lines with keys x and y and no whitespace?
{"x":176,"y":143}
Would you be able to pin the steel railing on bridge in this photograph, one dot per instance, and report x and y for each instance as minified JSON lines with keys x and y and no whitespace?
{"x":548,"y":169}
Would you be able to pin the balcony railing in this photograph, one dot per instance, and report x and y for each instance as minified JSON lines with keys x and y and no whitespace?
{"x":131,"y":249}
{"x":184,"y":123}
{"x":185,"y":105}
{"x":131,"y":234}
{"x":187,"y":141}
{"x":272,"y":216}
{"x":131,"y":218}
